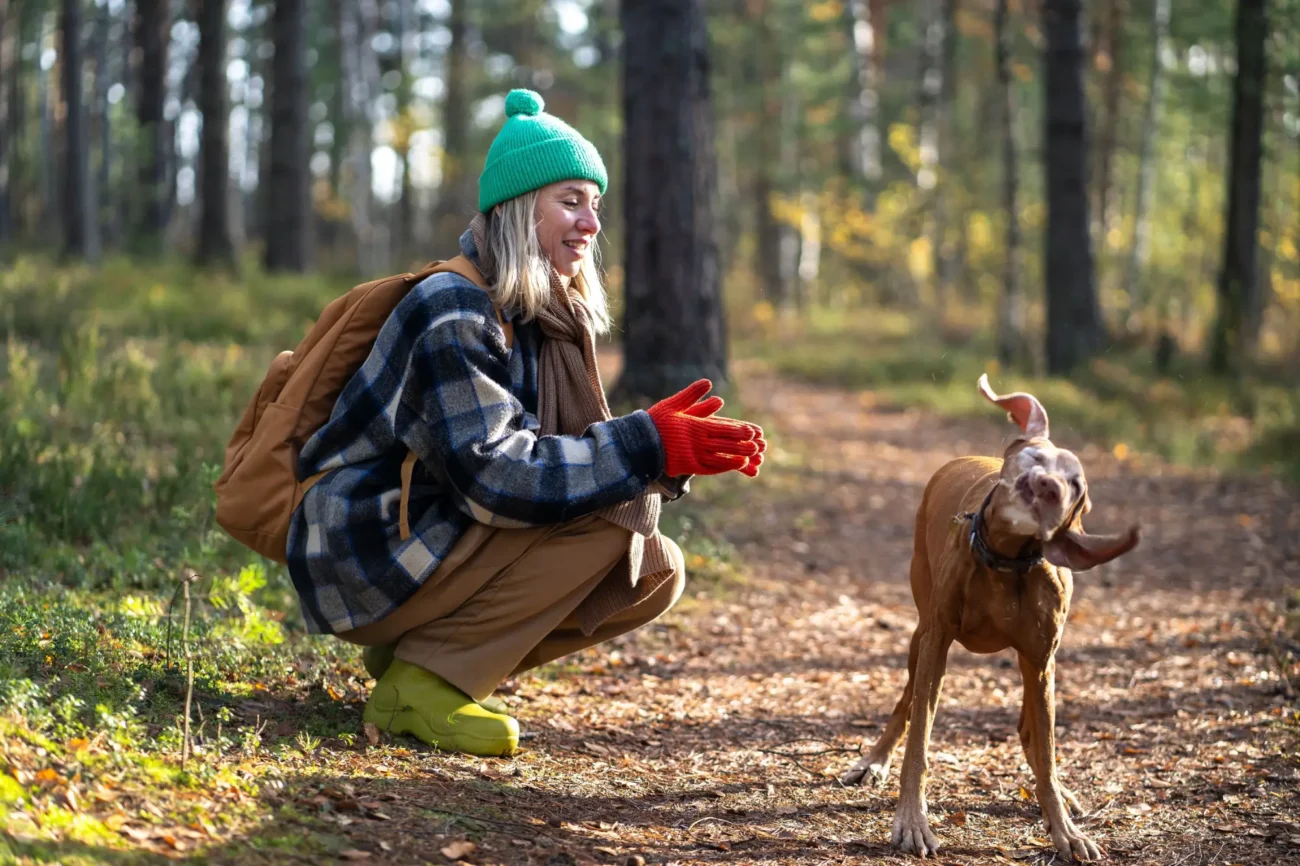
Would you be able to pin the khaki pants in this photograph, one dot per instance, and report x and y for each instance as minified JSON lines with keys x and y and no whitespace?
{"x":502,"y":602}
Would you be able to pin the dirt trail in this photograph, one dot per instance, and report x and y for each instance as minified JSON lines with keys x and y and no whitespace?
{"x":718,"y":734}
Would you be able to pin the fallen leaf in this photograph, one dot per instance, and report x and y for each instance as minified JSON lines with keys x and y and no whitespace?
{"x":1025,"y":795}
{"x":596,"y":748}
{"x":355,"y":854}
{"x":458,"y":850}
{"x":787,"y":810}
{"x":137,"y":833}
{"x":957,"y":819}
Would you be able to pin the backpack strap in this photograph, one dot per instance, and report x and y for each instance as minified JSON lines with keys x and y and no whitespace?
{"x":461,"y":266}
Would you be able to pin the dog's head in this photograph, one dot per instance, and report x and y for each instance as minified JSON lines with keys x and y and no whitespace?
{"x":1043,"y":492}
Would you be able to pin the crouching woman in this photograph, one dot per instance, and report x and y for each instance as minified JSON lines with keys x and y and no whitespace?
{"x":529,"y":527}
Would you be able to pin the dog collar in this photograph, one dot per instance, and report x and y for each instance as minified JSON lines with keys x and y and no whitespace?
{"x":989,"y":557}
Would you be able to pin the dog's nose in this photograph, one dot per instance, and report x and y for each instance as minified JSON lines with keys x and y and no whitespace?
{"x":1047,"y":489}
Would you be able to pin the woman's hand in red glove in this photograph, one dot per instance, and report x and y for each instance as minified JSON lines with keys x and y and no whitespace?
{"x":697,"y":442}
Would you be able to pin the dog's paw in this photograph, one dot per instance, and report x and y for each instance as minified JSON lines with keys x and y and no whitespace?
{"x":912,"y":835}
{"x":1071,"y":843}
{"x":867,"y":772}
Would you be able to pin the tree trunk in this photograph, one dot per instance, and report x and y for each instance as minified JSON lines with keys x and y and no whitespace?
{"x":1075,"y":332}
{"x":1238,"y":278}
{"x":1011,"y":304}
{"x":215,"y":245}
{"x":456,"y":200}
{"x":361,"y":77}
{"x":288,"y":223}
{"x":931,"y":87}
{"x":48,"y":220}
{"x":152,"y":38}
{"x":405,"y":229}
{"x":103,"y":216}
{"x":674,"y":331}
{"x":769,"y":86}
{"x":1112,"y":92}
{"x":1140,"y":248}
{"x":862,"y":156}
{"x":9,"y":48}
{"x":943,"y":242}
{"x":80,"y":238}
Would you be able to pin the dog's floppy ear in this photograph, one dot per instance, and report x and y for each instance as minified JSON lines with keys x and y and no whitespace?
{"x":1024,"y":409}
{"x":1078,"y":551}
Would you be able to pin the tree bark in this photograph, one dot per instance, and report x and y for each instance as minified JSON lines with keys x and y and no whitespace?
{"x":215,"y":245}
{"x":80,"y":238}
{"x":769,"y":85}
{"x":152,"y":38}
{"x":104,"y":220}
{"x":1140,"y":248}
{"x":673,"y":322}
{"x":1011,"y":305}
{"x":1238,"y":281}
{"x":288,"y":224}
{"x":456,"y":200}
{"x":1112,"y":93}
{"x":942,"y":242}
{"x":9,"y":45}
{"x":862,"y":157}
{"x":1075,"y":332}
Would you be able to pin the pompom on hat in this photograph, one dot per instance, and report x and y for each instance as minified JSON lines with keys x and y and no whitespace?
{"x":533,"y":149}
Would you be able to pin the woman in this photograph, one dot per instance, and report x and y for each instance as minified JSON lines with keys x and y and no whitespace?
{"x":531,"y":526}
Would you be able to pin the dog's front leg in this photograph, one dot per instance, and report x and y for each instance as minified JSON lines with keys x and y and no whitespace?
{"x":1040,"y":689}
{"x":911,"y":827}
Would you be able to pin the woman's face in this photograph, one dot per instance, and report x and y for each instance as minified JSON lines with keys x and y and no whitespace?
{"x":568,"y":220}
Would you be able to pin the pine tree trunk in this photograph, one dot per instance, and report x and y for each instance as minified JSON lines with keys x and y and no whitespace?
{"x":8,"y":71}
{"x":674,"y":331}
{"x":943,"y":242}
{"x":103,"y":214}
{"x":16,"y":110}
{"x":768,"y":80}
{"x":1075,"y":332}
{"x":215,"y":245}
{"x":456,"y":200}
{"x":1238,"y":281}
{"x":863,"y":147}
{"x":1112,"y":93}
{"x":1140,"y":248}
{"x":152,"y":37}
{"x":1011,"y":304}
{"x":289,"y":203}
{"x":80,"y":238}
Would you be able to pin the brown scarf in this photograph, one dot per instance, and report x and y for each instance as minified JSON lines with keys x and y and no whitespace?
{"x":570,"y":399}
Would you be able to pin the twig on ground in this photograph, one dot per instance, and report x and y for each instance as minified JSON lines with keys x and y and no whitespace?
{"x":188,"y":576}
{"x":795,"y":757}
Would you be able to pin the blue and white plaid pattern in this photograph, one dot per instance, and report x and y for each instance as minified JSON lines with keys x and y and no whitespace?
{"x":440,"y":382}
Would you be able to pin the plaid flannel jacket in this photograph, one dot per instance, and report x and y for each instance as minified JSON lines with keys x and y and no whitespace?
{"x":440,"y":382}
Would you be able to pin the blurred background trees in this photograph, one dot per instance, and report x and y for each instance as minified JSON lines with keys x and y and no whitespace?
{"x":1067,"y":178}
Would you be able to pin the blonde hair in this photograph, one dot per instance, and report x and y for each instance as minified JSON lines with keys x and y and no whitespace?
{"x":523,"y":274}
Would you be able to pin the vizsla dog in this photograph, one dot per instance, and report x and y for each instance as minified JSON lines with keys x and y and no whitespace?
{"x":995,"y":544}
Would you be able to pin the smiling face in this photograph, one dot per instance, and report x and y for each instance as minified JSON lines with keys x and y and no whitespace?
{"x":568,"y":221}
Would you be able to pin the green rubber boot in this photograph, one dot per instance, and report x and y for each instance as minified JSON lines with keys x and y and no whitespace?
{"x":376,"y":660}
{"x":411,"y":700}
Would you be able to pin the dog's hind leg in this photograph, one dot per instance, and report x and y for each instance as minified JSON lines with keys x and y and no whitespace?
{"x":1027,"y":725}
{"x":875,"y":764}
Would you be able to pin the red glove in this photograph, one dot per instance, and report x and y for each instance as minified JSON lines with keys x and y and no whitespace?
{"x":696,"y":442}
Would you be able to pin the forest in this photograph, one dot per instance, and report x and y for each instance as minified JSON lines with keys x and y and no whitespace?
{"x":842,"y":212}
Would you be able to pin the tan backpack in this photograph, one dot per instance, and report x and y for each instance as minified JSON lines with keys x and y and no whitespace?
{"x":259,"y":489}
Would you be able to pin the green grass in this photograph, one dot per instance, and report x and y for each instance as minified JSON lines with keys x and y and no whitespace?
{"x":1187,"y":416}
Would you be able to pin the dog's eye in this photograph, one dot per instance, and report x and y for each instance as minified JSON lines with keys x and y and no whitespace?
{"x":1077,"y":485}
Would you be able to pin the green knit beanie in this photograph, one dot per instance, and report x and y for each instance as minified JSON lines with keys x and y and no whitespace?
{"x":533,"y":149}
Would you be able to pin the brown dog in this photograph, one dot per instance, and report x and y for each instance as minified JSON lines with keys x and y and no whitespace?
{"x":995,"y":544}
